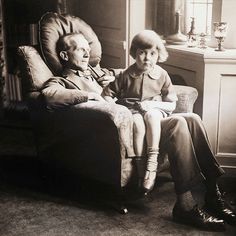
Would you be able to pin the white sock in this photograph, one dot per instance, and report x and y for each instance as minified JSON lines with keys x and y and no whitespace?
{"x":152,"y":154}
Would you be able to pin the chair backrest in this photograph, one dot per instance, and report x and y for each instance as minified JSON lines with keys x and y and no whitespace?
{"x":52,"y":26}
{"x":35,"y":70}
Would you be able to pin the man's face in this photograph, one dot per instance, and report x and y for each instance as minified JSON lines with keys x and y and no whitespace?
{"x":146,"y":58}
{"x":77,"y":56}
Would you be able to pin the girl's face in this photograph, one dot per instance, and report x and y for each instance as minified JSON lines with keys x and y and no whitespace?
{"x":146,"y":58}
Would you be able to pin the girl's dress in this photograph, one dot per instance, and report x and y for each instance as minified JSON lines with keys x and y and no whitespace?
{"x":131,"y":87}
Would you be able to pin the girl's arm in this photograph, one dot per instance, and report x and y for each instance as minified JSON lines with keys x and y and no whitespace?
{"x":113,"y":89}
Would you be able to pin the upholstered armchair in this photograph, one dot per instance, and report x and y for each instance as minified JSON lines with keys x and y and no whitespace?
{"x":84,"y":141}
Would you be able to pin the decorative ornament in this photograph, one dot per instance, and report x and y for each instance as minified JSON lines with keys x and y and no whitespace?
{"x":192,"y":36}
{"x":202,"y":41}
{"x":178,"y":37}
{"x":220,"y":32}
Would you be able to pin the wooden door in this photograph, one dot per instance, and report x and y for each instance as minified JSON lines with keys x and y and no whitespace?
{"x":109,"y":20}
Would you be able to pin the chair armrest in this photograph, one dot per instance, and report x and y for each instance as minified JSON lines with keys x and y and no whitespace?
{"x":186,"y":98}
{"x":90,"y":140}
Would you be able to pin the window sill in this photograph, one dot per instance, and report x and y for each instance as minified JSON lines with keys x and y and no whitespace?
{"x":202,"y":54}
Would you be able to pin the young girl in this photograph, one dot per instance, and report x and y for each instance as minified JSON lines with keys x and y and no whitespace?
{"x":146,"y":89}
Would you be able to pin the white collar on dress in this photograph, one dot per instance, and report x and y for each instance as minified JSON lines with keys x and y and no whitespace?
{"x":155,"y":73}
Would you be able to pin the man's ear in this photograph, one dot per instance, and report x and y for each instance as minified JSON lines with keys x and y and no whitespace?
{"x":64,"y":55}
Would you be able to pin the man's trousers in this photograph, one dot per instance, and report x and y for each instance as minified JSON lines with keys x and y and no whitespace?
{"x":191,"y":160}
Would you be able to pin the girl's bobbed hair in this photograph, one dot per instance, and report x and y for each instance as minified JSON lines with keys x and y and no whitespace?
{"x":147,"y":39}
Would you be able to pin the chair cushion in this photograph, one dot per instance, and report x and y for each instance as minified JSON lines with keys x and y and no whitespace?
{"x":33,"y":69}
{"x":52,"y":26}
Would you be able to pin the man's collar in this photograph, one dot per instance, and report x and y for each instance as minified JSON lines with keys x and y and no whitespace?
{"x":85,"y":73}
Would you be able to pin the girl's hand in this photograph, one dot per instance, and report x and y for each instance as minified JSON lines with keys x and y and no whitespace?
{"x":142,"y":106}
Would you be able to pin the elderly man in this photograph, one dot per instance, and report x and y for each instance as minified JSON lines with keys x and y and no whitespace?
{"x":78,"y":83}
{"x":191,"y":159}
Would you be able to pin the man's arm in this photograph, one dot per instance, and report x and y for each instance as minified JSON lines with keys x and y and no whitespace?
{"x":57,"y":95}
{"x":109,"y":99}
{"x":105,"y":80}
{"x":102,"y":75}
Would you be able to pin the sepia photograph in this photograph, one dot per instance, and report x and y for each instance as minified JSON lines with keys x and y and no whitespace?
{"x":117,"y":117}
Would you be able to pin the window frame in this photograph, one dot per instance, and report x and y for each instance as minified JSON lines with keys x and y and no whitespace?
{"x":208,"y":15}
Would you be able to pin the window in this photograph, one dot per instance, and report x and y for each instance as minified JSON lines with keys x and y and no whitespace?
{"x":201,"y":10}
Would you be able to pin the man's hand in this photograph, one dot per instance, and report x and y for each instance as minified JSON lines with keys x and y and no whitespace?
{"x":105,"y":80}
{"x":95,"y":97}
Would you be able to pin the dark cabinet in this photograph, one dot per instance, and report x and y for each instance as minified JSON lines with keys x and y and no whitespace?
{"x":20,"y":27}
